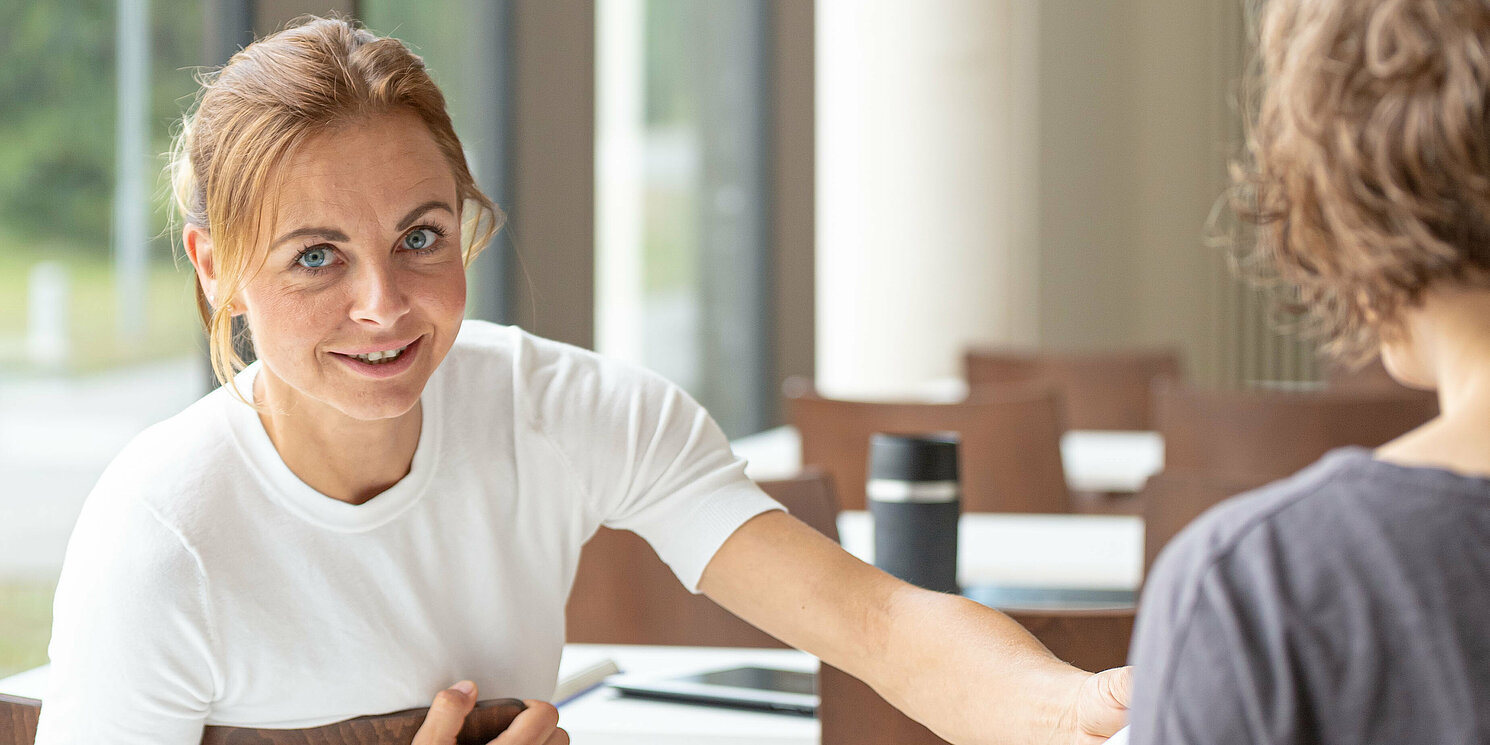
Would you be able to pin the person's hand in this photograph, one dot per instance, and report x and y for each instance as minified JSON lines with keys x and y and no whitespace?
{"x":537,"y":725}
{"x":1100,"y":707}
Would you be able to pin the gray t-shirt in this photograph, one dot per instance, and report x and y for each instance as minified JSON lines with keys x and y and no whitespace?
{"x":1349,"y":603}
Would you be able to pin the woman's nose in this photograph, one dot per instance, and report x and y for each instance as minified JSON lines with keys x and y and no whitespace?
{"x":378,"y":297}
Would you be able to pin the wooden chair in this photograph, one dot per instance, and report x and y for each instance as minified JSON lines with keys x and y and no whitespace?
{"x":1250,"y":435}
{"x":624,"y":594}
{"x":19,"y":716}
{"x":1102,"y":390}
{"x":1220,"y":443}
{"x":1371,"y":376}
{"x":853,"y":714}
{"x":1010,"y":453}
{"x":1173,"y":498}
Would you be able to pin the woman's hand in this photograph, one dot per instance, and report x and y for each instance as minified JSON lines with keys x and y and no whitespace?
{"x":1099,"y":709}
{"x":537,"y":725}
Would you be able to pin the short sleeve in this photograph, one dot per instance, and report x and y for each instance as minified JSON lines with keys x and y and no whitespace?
{"x":130,"y":649}
{"x":648,"y":458}
{"x":1211,"y":653}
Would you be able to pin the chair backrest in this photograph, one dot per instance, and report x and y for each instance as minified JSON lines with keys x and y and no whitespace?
{"x":1371,"y":375}
{"x":1219,"y":443}
{"x":853,"y":714}
{"x":624,"y":594}
{"x":19,"y":716}
{"x":1251,"y":435}
{"x":1010,"y":450}
{"x":1172,"y":498}
{"x":1102,"y":390}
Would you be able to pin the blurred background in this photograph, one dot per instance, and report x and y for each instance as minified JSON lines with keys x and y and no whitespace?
{"x":730,"y":192}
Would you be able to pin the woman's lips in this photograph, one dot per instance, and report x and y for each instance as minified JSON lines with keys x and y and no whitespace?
{"x":403,"y":362}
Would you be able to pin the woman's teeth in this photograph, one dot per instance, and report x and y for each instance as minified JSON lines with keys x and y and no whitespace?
{"x":380,"y":357}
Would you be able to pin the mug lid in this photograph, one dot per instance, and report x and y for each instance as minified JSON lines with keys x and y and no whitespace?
{"x":913,"y":457}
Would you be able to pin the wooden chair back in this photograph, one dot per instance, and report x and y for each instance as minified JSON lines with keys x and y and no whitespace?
{"x":1102,"y":390}
{"x":624,"y":594}
{"x":1250,"y":435}
{"x":1173,"y":498}
{"x":1220,"y":443}
{"x":1372,"y":375}
{"x":853,"y":714}
{"x":1010,"y":452}
{"x":19,"y":716}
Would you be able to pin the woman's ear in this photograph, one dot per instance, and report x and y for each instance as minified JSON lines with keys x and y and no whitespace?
{"x":199,"y":251}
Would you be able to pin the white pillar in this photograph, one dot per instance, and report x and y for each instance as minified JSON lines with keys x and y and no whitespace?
{"x":926,"y":191}
{"x":620,"y":178}
{"x":47,"y":318}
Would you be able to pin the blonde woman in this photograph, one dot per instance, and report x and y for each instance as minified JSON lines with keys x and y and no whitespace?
{"x":391,"y":500}
{"x":1351,"y":602}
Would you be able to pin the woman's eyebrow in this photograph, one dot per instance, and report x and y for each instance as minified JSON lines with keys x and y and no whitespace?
{"x":421,"y":209}
{"x":337,"y":235}
{"x":328,"y":233}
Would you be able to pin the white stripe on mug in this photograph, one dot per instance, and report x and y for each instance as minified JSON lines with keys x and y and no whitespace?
{"x":890,"y":490}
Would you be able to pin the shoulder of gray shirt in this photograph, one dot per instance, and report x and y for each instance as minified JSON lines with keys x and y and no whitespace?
{"x":1346,"y":510}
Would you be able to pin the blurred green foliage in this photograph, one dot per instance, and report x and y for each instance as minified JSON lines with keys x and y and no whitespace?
{"x":25,"y":624}
{"x":672,"y":52}
{"x":673,"y":97}
{"x":57,"y":162}
{"x":57,"y":123}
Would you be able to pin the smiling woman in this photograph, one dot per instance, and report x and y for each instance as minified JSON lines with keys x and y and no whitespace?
{"x":390,"y":499}
{"x":355,"y":303}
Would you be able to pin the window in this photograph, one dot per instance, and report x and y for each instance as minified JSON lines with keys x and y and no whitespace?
{"x":682,"y":208}
{"x":98,"y":328}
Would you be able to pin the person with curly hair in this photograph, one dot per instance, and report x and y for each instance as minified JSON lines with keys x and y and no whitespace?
{"x":1350,"y":603}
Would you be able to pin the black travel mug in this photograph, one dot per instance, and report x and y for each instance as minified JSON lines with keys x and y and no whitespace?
{"x":914,"y":496}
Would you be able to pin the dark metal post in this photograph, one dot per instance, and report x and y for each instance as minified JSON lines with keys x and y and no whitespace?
{"x":491,"y":161}
{"x":229,"y":28}
{"x":737,"y":339}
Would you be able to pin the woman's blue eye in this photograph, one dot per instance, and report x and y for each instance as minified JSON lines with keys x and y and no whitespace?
{"x":313,"y":258}
{"x":420,"y":239}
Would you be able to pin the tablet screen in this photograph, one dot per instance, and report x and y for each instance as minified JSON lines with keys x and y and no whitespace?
{"x":765,"y":679}
{"x":748,"y":686}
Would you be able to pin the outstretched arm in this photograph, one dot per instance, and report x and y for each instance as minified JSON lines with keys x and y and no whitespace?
{"x":969,"y":673}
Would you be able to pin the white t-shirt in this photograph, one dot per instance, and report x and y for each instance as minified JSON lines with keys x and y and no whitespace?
{"x":205,"y":583}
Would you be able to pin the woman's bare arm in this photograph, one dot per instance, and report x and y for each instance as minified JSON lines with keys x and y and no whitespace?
{"x":969,"y":673}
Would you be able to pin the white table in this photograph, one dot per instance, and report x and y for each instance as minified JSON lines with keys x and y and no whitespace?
{"x":29,"y":684}
{"x":1095,"y":460}
{"x":1110,"y":460}
{"x":604,"y":717}
{"x":1103,"y":552}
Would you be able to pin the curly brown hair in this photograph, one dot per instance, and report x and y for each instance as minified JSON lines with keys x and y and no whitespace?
{"x":1367,"y":167}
